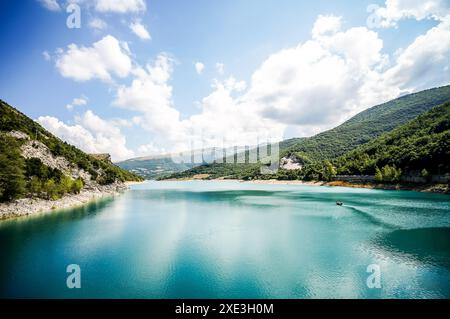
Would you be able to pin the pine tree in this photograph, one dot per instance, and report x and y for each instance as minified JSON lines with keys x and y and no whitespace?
{"x":12,"y":180}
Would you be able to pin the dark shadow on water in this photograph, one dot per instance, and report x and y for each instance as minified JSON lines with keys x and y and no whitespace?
{"x":372,"y":219}
{"x":424,"y":245}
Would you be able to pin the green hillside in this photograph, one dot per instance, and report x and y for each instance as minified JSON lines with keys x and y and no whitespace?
{"x":21,"y":177}
{"x":421,"y":146}
{"x":152,"y":168}
{"x":331,"y":144}
{"x":369,"y":124}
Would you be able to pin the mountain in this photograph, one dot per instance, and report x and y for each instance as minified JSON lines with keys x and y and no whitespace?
{"x":154,"y":167}
{"x":331,"y":144}
{"x":420,"y":147}
{"x":368,"y":125}
{"x":35,"y":163}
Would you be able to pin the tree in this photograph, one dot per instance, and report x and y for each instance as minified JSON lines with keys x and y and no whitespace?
{"x":51,"y":189}
{"x":329,"y":171}
{"x":77,"y":186}
{"x":378,"y":175}
{"x":12,"y":179}
{"x":35,"y":186}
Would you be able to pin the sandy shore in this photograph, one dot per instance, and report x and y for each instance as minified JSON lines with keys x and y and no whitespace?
{"x":133,"y":183}
{"x":30,"y":206}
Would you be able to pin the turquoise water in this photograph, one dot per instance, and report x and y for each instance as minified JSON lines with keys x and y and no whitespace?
{"x":234,"y":240}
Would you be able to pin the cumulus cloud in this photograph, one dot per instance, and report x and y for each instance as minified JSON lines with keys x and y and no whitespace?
{"x":310,"y":87}
{"x":151,"y":95}
{"x":199,"y":67}
{"x":220,"y":67}
{"x":77,"y":102}
{"x":120,"y":6}
{"x":321,"y":82}
{"x":139,"y":29}
{"x":46,"y":55}
{"x":223,"y":120}
{"x":91,"y":134}
{"x":51,"y":5}
{"x":326,"y":25}
{"x":396,"y":10}
{"x":106,"y":57}
{"x":425,"y":62}
{"x":97,"y":24}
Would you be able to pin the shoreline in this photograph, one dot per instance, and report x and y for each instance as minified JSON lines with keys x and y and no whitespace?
{"x":428,"y":188}
{"x":32,"y":206}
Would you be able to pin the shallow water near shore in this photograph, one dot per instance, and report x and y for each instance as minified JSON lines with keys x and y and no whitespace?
{"x":233,"y":240}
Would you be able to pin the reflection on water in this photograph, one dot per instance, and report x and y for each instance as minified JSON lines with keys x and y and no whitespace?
{"x":233,"y":240}
{"x":426,"y":245}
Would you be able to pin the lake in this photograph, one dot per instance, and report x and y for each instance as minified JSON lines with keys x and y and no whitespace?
{"x":234,"y":240}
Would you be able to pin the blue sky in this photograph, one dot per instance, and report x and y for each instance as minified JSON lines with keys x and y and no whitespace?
{"x":289,"y":68}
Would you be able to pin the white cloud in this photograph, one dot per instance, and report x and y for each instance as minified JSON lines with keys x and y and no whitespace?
{"x":151,"y":95}
{"x":77,"y":102}
{"x":120,"y":6}
{"x":46,"y":56}
{"x":139,"y":29}
{"x":91,"y":134}
{"x":396,"y":10}
{"x":97,"y":24}
{"x":220,"y":67}
{"x":321,"y":82}
{"x":199,"y":67}
{"x":231,"y":84}
{"x":51,"y":5}
{"x":311,"y":87}
{"x":308,"y":88}
{"x":424,"y":63}
{"x":326,"y":25}
{"x":223,"y":120}
{"x":106,"y":57}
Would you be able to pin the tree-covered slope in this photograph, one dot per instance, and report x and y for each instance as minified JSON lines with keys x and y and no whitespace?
{"x":24,"y":176}
{"x":369,"y":124}
{"x":331,"y":144}
{"x":421,"y":146}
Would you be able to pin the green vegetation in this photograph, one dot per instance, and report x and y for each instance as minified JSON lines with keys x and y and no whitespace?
{"x":12,"y":181}
{"x":388,"y":174}
{"x":49,"y":183}
{"x":420,"y":147}
{"x":20,"y":177}
{"x":340,"y":141}
{"x":368,"y":125}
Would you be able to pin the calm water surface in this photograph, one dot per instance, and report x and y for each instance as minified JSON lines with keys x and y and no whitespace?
{"x":233,"y":240}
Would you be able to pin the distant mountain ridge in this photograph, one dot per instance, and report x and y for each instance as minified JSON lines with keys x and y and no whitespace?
{"x":360,"y":129}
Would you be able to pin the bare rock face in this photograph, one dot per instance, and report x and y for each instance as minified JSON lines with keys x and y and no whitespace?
{"x":291,"y":163}
{"x":19,"y":135}
{"x":36,"y":149}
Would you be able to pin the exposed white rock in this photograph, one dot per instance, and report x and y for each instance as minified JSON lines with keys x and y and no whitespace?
{"x":27,"y":206}
{"x":291,"y":163}
{"x":36,"y":149}
{"x":19,"y":135}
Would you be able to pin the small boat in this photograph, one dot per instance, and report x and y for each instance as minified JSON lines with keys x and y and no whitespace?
{"x":339,"y":203}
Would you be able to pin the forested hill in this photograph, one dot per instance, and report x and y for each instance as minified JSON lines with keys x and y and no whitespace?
{"x":331,"y":144}
{"x":420,"y":147}
{"x":34,"y":162}
{"x":368,"y":125}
